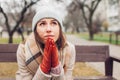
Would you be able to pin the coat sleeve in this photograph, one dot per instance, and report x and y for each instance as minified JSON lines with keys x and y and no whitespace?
{"x":70,"y":63}
{"x":66,"y":73}
{"x":23,"y":73}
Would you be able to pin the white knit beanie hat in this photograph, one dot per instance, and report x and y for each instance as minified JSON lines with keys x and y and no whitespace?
{"x":47,"y":12}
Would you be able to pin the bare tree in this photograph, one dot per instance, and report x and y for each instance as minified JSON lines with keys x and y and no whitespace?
{"x":88,"y":8}
{"x":12,"y":28}
{"x":75,"y":18}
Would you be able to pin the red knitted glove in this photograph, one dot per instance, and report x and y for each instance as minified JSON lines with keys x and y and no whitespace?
{"x":46,"y":62}
{"x":55,"y":59}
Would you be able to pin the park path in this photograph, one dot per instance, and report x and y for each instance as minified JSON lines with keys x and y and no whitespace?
{"x":114,"y":51}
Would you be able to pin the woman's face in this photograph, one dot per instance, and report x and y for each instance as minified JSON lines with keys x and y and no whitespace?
{"x":48,"y":28}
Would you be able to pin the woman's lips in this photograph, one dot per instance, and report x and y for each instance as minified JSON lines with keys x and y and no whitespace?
{"x":49,"y":36}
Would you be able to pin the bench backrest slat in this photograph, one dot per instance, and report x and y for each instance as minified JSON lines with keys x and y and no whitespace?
{"x":92,"y":53}
{"x":84,"y":53}
{"x":8,"y":52}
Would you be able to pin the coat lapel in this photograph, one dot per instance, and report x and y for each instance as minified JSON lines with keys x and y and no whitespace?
{"x":33,"y":54}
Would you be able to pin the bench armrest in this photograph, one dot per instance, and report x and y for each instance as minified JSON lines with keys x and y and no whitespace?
{"x":115,"y":59}
{"x":109,"y":65}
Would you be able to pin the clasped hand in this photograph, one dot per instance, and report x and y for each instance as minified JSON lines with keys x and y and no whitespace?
{"x":50,"y":56}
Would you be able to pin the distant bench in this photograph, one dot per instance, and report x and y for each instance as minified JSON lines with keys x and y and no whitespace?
{"x":84,"y":53}
{"x":117,"y":34}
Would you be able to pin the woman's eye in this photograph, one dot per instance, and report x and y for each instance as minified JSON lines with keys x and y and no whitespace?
{"x":42,"y":24}
{"x":54,"y":23}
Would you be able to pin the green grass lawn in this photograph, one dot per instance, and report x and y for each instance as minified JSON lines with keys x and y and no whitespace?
{"x":5,"y":40}
{"x":102,"y":37}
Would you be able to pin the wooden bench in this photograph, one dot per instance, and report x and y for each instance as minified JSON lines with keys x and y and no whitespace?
{"x":117,"y":34}
{"x":83,"y":54}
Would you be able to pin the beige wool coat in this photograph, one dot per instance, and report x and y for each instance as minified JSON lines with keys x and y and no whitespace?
{"x":29,"y":57}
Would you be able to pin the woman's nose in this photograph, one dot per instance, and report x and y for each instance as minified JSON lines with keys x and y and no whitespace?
{"x":48,"y":28}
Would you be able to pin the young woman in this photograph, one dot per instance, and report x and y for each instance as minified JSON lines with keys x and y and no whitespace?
{"x":46,"y":54}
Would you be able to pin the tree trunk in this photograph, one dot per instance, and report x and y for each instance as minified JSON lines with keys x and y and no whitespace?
{"x":10,"y":38}
{"x":77,"y":29}
{"x":91,"y":35}
{"x":22,"y":36}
